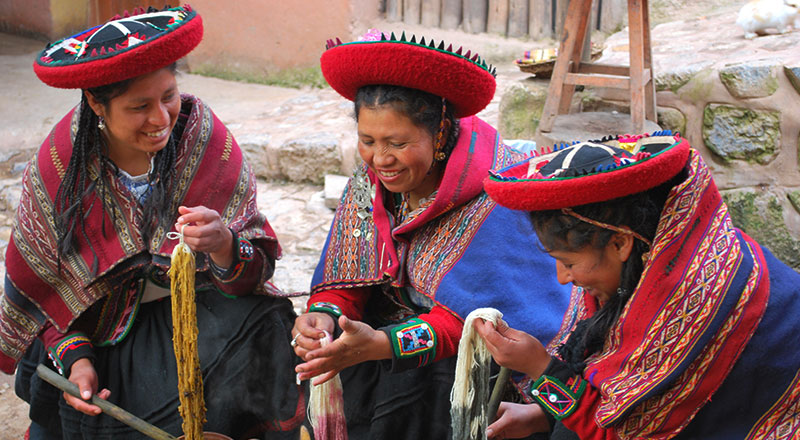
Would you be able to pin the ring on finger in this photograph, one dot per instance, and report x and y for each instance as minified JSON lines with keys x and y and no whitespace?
{"x":294,"y":340}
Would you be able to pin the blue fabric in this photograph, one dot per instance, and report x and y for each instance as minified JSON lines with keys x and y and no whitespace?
{"x":766,"y":367}
{"x":505,"y":268}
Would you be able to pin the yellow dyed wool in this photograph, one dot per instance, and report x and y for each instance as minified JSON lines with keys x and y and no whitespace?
{"x":184,"y":340}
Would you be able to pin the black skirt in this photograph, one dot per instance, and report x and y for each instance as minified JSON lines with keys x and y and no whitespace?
{"x":247,"y":363}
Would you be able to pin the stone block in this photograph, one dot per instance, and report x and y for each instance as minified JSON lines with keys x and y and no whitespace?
{"x":678,"y":76}
{"x":671,"y":119}
{"x":308,"y":159}
{"x":334,"y":186}
{"x":255,"y":147}
{"x":521,"y":109}
{"x":750,"y":80}
{"x":794,"y":199}
{"x":793,"y":73}
{"x":699,"y":88}
{"x":760,"y":215}
{"x":10,"y":193}
{"x":741,"y":133}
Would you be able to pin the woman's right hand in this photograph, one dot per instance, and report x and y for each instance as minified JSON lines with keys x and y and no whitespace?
{"x":513,"y":349}
{"x":308,"y":329}
{"x":516,"y":420}
{"x":84,"y":376}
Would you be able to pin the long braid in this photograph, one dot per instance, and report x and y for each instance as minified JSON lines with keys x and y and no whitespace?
{"x":161,"y":175}
{"x":78,"y":184}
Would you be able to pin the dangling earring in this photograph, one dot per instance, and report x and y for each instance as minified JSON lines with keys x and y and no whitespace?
{"x":438,"y":153}
{"x":101,"y":124}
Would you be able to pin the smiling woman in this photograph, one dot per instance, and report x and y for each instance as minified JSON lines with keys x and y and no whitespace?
{"x":676,"y":315}
{"x":138,"y":121}
{"x":87,"y":290}
{"x":416,"y":244}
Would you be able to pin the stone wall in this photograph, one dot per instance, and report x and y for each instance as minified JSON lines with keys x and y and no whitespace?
{"x":737,"y":101}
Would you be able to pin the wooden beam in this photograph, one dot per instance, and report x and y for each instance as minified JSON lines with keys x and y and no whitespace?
{"x":394,"y":10}
{"x":497,"y":18}
{"x":540,"y":14}
{"x":411,"y":11}
{"x":431,"y":13}
{"x":475,"y":12}
{"x":517,"y":18}
{"x":451,"y":14}
{"x":598,"y":80}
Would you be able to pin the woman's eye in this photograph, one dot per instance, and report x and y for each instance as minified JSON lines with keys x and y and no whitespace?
{"x":397,"y":144}
{"x":366,"y":142}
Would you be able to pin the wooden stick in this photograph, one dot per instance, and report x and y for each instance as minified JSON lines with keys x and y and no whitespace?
{"x":497,"y":393}
{"x":109,"y":408}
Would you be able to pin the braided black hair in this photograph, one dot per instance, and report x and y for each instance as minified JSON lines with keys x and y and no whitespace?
{"x":424,"y":109}
{"x":558,"y":231}
{"x":77,"y":184}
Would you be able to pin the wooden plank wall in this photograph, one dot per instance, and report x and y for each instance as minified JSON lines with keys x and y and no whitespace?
{"x":514,"y":18}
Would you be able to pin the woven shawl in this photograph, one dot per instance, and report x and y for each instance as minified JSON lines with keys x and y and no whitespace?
{"x":209,"y":170}
{"x":702,"y":294}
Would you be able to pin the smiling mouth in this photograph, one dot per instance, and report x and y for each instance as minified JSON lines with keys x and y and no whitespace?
{"x":388,"y":173}
{"x":159,"y":133}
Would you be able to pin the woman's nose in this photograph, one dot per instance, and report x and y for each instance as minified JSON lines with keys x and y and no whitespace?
{"x":382,"y":157}
{"x":563,"y":274}
{"x":159,"y":116}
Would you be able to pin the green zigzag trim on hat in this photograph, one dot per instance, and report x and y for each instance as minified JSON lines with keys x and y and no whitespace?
{"x":474,"y":58}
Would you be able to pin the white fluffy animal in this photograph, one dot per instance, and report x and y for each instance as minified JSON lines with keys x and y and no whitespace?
{"x":757,"y":16}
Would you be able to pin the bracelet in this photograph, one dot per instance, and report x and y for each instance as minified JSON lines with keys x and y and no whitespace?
{"x":557,"y":398}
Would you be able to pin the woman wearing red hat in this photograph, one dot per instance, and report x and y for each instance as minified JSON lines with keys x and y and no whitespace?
{"x":87,"y":261}
{"x":415,"y":244}
{"x":680,"y":325}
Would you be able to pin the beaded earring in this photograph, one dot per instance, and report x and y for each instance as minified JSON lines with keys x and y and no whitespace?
{"x":101,"y":124}
{"x":438,"y":153}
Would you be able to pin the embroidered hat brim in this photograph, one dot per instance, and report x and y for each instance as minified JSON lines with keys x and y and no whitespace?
{"x":529,"y":186}
{"x":123,"y":48}
{"x":466,"y":81}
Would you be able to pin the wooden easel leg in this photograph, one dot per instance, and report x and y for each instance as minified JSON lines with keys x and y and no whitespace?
{"x":559,"y":95}
{"x":650,"y":87}
{"x":636,"y":39}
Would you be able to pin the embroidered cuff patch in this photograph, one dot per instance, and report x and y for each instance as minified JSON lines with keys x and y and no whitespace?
{"x":414,"y":337}
{"x":555,"y":397}
{"x":68,"y":351}
{"x":246,"y":250}
{"x":326,"y":307}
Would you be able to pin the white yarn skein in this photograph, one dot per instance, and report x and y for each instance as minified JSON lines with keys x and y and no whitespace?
{"x":469,"y":401}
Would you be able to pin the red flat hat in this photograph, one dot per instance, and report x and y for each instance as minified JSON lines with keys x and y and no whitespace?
{"x":589,"y":172}
{"x":123,"y":48}
{"x":463,"y":79}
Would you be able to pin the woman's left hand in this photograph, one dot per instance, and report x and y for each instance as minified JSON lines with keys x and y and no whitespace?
{"x":358,"y":343}
{"x":513,"y":349}
{"x":205,"y":232}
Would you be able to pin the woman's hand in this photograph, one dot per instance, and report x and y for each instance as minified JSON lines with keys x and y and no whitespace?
{"x":205,"y":232}
{"x":513,"y":349}
{"x":308,"y":329}
{"x":515,"y":420}
{"x":358,"y":343}
{"x":84,"y":376}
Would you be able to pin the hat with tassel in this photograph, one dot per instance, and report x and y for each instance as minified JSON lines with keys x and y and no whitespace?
{"x":125,"y":47}
{"x":576,"y":174}
{"x":463,"y":78}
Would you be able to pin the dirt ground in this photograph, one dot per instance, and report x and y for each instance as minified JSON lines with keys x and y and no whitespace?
{"x":22,"y":130}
